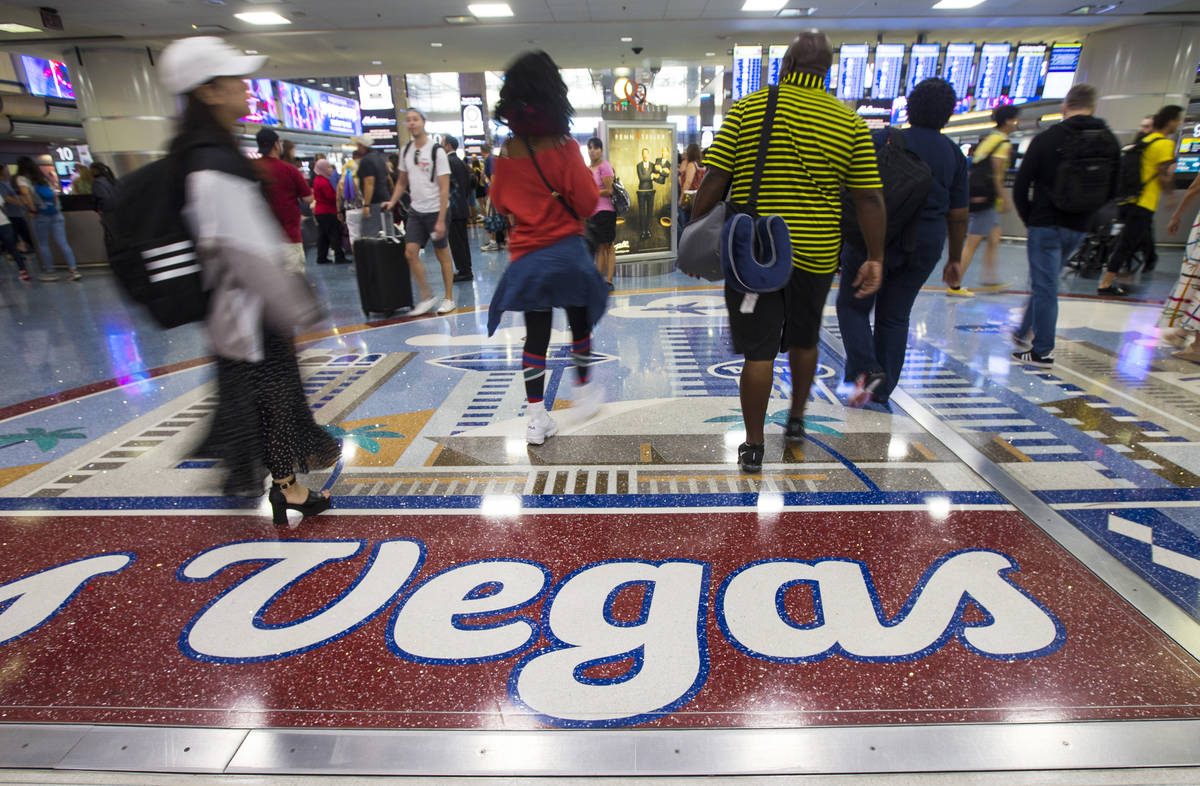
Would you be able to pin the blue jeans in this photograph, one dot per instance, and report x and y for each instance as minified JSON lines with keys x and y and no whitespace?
{"x":881,"y":349}
{"x":1048,"y":248}
{"x":43,"y":227}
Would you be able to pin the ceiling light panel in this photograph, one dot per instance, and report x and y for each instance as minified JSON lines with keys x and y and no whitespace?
{"x":490,"y":10}
{"x":16,"y":27}
{"x":763,"y":5}
{"x":263,"y":18}
{"x":459,"y":20}
{"x":950,"y":5}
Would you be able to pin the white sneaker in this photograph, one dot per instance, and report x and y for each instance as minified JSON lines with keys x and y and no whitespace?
{"x":76,"y":275}
{"x":540,"y":425}
{"x":446,"y":306}
{"x":587,"y":402}
{"x":47,"y":277}
{"x":424,"y":306}
{"x":489,"y":246}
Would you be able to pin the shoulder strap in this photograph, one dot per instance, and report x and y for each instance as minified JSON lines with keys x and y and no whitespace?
{"x":433,"y":162}
{"x":556,"y":195}
{"x":764,"y":143}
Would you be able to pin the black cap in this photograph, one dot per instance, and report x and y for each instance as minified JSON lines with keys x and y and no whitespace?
{"x":266,"y":139}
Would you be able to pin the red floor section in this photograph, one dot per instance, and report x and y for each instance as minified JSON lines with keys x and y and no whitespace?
{"x":652,"y":641}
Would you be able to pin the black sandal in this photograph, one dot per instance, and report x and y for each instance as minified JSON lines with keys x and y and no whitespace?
{"x":313,"y":505}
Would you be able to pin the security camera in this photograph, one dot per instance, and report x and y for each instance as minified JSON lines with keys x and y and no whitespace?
{"x":637,"y":50}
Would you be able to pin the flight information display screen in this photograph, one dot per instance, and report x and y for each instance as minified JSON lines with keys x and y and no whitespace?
{"x":993,"y":67}
{"x":922,"y":64}
{"x":960,"y":58}
{"x":747,"y":70}
{"x":1027,"y":72}
{"x":1060,"y":72}
{"x":775,"y":55}
{"x":852,"y":70}
{"x":889,"y":64}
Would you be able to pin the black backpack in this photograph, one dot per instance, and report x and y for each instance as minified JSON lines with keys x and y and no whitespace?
{"x":150,"y":248}
{"x":907,"y":181}
{"x":1129,"y":172}
{"x":1084,"y":175}
{"x":981,"y":183}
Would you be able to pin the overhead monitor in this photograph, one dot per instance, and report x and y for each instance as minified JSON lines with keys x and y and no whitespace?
{"x":263,"y":109}
{"x":957,"y":70}
{"x":1027,"y":73}
{"x":922,"y":64}
{"x":47,"y":78}
{"x":775,"y":55}
{"x":312,"y":110}
{"x":889,"y":63}
{"x":852,"y":71}
{"x":993,"y":68}
{"x":747,"y":70}
{"x":1060,"y":73}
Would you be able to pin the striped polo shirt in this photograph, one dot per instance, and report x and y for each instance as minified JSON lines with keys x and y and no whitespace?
{"x":817,"y":147}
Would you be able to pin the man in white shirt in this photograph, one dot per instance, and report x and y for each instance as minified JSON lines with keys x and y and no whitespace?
{"x":424,"y":169}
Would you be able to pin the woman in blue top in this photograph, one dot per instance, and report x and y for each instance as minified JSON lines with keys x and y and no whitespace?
{"x":43,"y":204}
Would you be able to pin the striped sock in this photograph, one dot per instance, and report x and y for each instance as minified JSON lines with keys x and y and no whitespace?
{"x":534,"y":367}
{"x":581,"y":356}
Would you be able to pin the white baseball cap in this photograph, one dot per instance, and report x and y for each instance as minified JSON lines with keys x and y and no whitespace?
{"x":190,"y":62}
{"x":363,"y":140}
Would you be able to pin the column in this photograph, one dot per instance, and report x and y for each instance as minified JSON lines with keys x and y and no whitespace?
{"x":1138,"y":69}
{"x":127,"y":115}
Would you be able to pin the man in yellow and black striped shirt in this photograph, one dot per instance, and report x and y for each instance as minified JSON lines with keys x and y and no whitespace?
{"x":817,"y":147}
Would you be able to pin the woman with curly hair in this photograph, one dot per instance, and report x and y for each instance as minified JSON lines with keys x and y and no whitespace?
{"x":543,"y":185}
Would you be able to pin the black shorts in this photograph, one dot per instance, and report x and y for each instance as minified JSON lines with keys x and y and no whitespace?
{"x":604,"y":227}
{"x":783,"y":320}
{"x":419,"y":230}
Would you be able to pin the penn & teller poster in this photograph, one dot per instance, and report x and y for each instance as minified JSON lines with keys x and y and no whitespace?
{"x":643,"y":157}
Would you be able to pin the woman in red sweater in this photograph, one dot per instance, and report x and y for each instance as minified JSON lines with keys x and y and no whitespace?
{"x":543,"y":185}
{"x":325,"y":211}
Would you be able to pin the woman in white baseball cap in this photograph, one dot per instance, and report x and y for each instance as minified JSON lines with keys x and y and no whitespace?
{"x":262,"y":423}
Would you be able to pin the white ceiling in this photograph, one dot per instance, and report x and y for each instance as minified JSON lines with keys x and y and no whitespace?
{"x":330,"y":37}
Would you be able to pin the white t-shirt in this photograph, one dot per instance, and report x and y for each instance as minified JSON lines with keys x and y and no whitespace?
{"x":426,"y":195}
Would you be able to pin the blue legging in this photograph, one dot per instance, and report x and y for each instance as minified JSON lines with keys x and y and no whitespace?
{"x":45,"y":226}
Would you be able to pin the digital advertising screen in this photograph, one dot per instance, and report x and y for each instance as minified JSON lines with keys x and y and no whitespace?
{"x":1027,"y":73}
{"x":339,"y":115}
{"x":960,"y":60}
{"x":263,"y":109}
{"x":312,"y":110}
{"x":747,"y":70}
{"x":876,"y":112}
{"x":775,"y":55}
{"x":993,"y":67}
{"x":1060,"y":71}
{"x":889,"y":64}
{"x":1188,"y":164}
{"x":47,"y":78}
{"x":852,"y":71}
{"x":922,"y":64}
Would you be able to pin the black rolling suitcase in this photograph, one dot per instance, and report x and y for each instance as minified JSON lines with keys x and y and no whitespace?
{"x":384,"y":285}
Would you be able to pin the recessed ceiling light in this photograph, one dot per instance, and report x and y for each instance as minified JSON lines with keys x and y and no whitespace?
{"x":339,"y":87}
{"x":943,"y":5}
{"x":325,"y":84}
{"x":791,"y":12}
{"x":251,"y":51}
{"x":263,"y":18}
{"x":626,"y":38}
{"x":763,"y":5}
{"x":490,"y":10}
{"x":376,"y":62}
{"x":710,"y":54}
{"x":16,"y":27}
{"x":436,"y":44}
{"x":459,"y":20}
{"x":313,"y":81}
